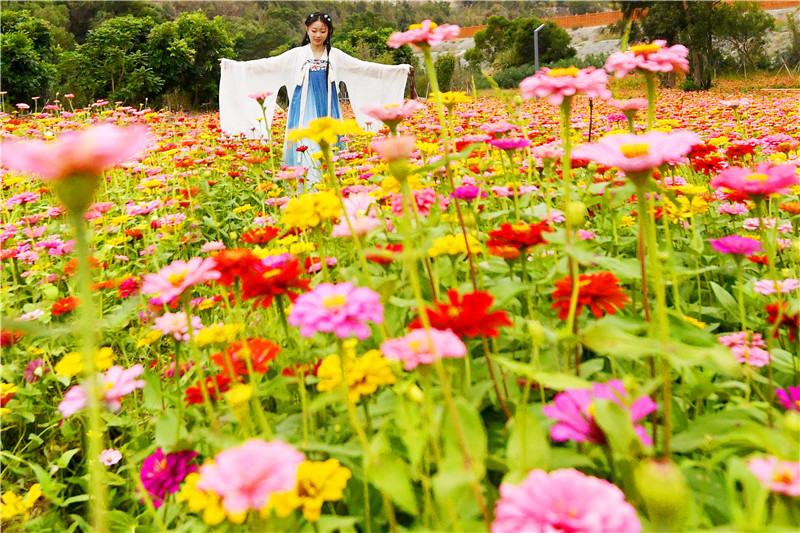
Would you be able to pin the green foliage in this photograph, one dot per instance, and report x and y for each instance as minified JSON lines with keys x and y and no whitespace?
{"x":445,"y":66}
{"x":510,"y":43}
{"x":370,"y":45}
{"x":744,"y":27}
{"x":114,"y":62}
{"x":184,"y":53}
{"x":254,"y":39}
{"x":29,"y":56}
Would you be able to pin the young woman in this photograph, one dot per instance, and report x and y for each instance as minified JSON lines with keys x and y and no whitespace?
{"x":311,"y":74}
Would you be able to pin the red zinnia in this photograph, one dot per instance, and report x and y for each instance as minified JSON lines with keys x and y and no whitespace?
{"x":9,"y":337}
{"x":384,"y":258}
{"x":261,"y":235}
{"x":791,"y":321}
{"x":520,"y":236}
{"x":466,"y":315}
{"x":264,"y":282}
{"x":307,"y":369}
{"x":259,"y":351}
{"x":599,"y":291}
{"x":234,"y":263}
{"x":64,"y":305}
{"x":216,"y":385}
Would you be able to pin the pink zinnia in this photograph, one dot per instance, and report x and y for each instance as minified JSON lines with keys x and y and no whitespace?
{"x":747,"y":348}
{"x":172,"y":280}
{"x":779,"y":476}
{"x":759,"y":184}
{"x":639,"y":153}
{"x":175,"y":324}
{"x":736,"y":244}
{"x":116,"y":383}
{"x":573,"y":408}
{"x":558,"y":83}
{"x":86,"y":151}
{"x":110,"y":457}
{"x":245,"y":477}
{"x":418,"y":347}
{"x":426,"y":34}
{"x":395,"y":148}
{"x":564,"y":500}
{"x":632,"y":104}
{"x":510,"y":143}
{"x":653,"y":57}
{"x":392,"y":114}
{"x":768,"y":286}
{"x":341,"y":309}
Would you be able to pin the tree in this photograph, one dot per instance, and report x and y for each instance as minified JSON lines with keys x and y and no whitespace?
{"x":743,"y":26}
{"x":114,"y":62}
{"x":29,"y":56}
{"x":445,"y":66}
{"x":185,"y":53}
{"x":370,"y":45}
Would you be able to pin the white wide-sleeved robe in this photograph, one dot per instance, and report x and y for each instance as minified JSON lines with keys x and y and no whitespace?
{"x":367,"y":83}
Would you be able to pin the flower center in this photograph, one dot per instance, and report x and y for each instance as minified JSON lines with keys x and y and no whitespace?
{"x":590,"y":410}
{"x":757,"y":177}
{"x":334,"y":301}
{"x":783,"y":476}
{"x":564,"y":72}
{"x":644,"y":49}
{"x":108,"y":386}
{"x":419,"y":26}
{"x":176,"y":278}
{"x":634,"y":150}
{"x":453,"y":312}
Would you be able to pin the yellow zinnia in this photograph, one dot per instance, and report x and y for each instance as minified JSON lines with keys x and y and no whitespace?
{"x":324,"y":131}
{"x":317,"y":482}
{"x":364,"y":375}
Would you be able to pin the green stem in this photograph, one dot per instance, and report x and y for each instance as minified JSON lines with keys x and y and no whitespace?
{"x":85,"y":329}
{"x":650,"y":80}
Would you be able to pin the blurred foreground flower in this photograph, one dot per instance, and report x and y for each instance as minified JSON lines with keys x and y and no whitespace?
{"x":115,"y":384}
{"x":317,"y":482}
{"x":778,"y":476}
{"x":652,"y":57}
{"x":564,"y":500}
{"x":424,"y":35}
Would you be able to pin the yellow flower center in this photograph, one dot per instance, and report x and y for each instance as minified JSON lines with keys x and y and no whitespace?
{"x":634,"y":150}
{"x":757,"y":177}
{"x":419,"y":26}
{"x":644,"y":49}
{"x":783,"y":476}
{"x":453,"y":312}
{"x":176,"y":278}
{"x":590,"y":410}
{"x":564,"y":72}
{"x":334,"y":301}
{"x":109,"y":386}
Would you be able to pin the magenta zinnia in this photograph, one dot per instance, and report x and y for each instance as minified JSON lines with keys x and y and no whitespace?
{"x":736,"y":244}
{"x":162,"y":474}
{"x":573,"y":410}
{"x":764,"y":181}
{"x":564,"y":500}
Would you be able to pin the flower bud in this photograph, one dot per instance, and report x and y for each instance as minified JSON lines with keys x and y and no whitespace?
{"x":575,"y":213}
{"x":537,"y":332}
{"x":665,"y":493}
{"x":415,"y":394}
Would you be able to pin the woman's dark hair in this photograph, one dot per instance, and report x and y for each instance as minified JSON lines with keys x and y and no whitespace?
{"x":325,"y":19}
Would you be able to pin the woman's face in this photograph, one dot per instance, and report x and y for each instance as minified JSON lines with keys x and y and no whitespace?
{"x":317,"y":33}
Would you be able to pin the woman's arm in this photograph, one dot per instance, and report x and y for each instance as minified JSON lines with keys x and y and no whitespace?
{"x":344,"y":62}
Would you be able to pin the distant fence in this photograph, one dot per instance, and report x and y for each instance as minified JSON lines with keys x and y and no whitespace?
{"x":610,"y":17}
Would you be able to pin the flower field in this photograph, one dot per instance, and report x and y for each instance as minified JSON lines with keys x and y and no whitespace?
{"x":516,"y":311}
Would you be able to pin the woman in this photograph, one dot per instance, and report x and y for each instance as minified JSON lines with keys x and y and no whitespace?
{"x":311,"y":74}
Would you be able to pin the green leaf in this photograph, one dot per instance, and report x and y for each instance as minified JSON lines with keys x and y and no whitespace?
{"x":549,"y":380}
{"x":391,"y":474}
{"x":66,"y":457}
{"x":165,"y":434}
{"x":343,"y":524}
{"x":725,"y":299}
{"x":122,"y":522}
{"x":527,"y":447}
{"x":474,"y":434}
{"x":619,"y":338}
{"x":616,"y":424}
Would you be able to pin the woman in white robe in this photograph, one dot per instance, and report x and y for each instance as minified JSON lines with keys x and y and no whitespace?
{"x":311,"y":74}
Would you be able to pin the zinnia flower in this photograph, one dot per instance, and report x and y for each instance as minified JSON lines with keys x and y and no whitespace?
{"x":736,"y":244}
{"x":110,"y":457}
{"x":556,"y":84}
{"x":317,"y":482}
{"x":638,"y":153}
{"x":35,"y":370}
{"x":115,"y":384}
{"x":599,"y":291}
{"x":395,"y":148}
{"x":466,"y":315}
{"x":341,"y":309}
{"x":652,"y":57}
{"x":779,"y":476}
{"x":364,"y":374}
{"x":260,"y":352}
{"x":790,"y":320}
{"x":761,"y":183}
{"x":172,"y":280}
{"x":424,"y":35}
{"x":564,"y":500}
{"x":272,"y":277}
{"x":423,"y":347}
{"x":768,"y":286}
{"x":162,"y":474}
{"x":521,"y":237}
{"x":246,"y":476}
{"x":80,"y":152}
{"x":574,"y":411}
{"x":789,"y":398}
{"x":391,"y":115}
{"x":324,"y":131}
